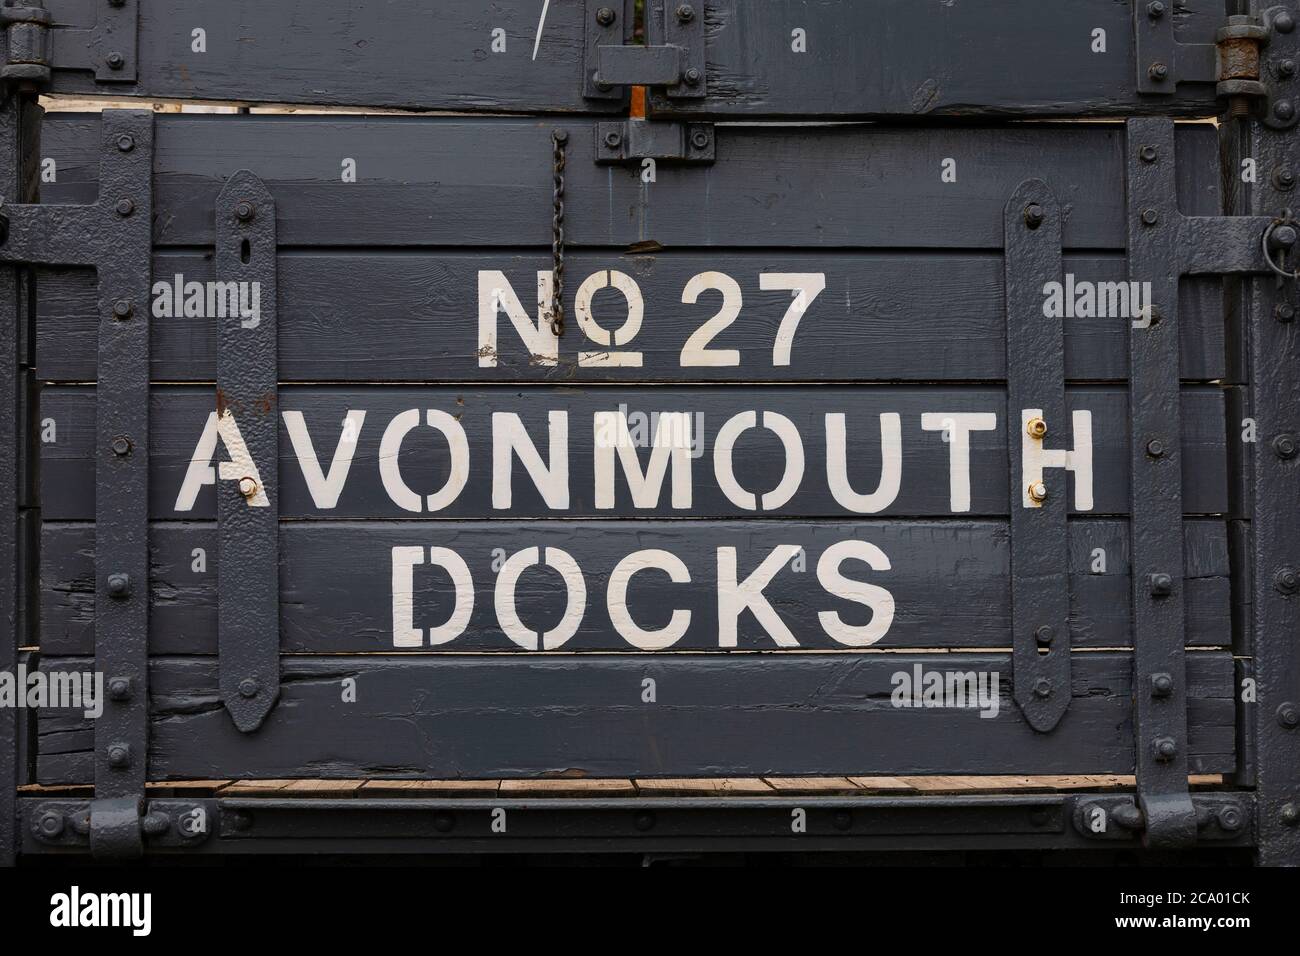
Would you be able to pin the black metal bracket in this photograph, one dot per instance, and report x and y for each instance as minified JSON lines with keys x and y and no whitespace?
{"x":115,"y":235}
{"x":36,"y":45}
{"x":248,"y":526}
{"x":124,"y":828}
{"x":1218,"y":816}
{"x":1040,"y":580}
{"x":635,"y":140}
{"x":673,"y":56}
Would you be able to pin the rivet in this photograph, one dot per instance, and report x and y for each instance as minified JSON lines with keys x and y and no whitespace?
{"x":842,"y":819}
{"x":1285,"y":447}
{"x":248,"y":687}
{"x":1156,"y":448}
{"x":1162,"y":685}
{"x":1158,"y":72}
{"x":1283,"y":22}
{"x":115,"y":60}
{"x":1045,"y":634}
{"x":1286,"y":68}
{"x":126,"y":142}
{"x":685,"y":12}
{"x":1166,"y":748}
{"x":119,"y":689}
{"x":119,"y":585}
{"x":1288,"y":715}
{"x":1148,"y":154}
{"x":49,"y":824}
{"x":613,"y":139}
{"x":1162,"y":585}
{"x":1230,"y":818}
{"x":645,"y":820}
{"x":1042,"y":688}
{"x":245,"y":210}
{"x":1290,"y":814}
{"x":1283,"y":237}
{"x":1284,"y":179}
{"x":1034,"y":215}
{"x":123,"y":309}
{"x":121,"y":446}
{"x":1287,"y":580}
{"x":1150,"y":217}
{"x":605,"y":16}
{"x":692,"y":77}
{"x":119,"y":756}
{"x":1037,"y":491}
{"x":1155,"y":9}
{"x":247,"y":487}
{"x":1283,"y":109}
{"x":443,"y":822}
{"x":1036,"y":428}
{"x":1284,"y":312}
{"x":699,"y":139}
{"x":125,"y":207}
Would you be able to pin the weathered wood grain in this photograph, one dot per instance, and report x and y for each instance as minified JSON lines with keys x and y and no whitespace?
{"x":715,"y":715}
{"x":948,"y":580}
{"x":178,"y":415}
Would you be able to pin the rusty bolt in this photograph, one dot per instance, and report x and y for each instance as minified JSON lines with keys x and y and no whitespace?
{"x":1284,"y":312}
{"x":119,"y":585}
{"x":1045,"y":634}
{"x":119,"y":689}
{"x":1285,"y":447}
{"x":121,"y":446}
{"x":613,"y":139}
{"x":247,"y":487}
{"x":245,"y":210}
{"x":1162,"y":585}
{"x":1290,"y":814}
{"x":1166,"y":748}
{"x":1287,"y":580}
{"x":48,"y":825}
{"x":1283,"y":23}
{"x":1155,"y":9}
{"x":248,"y":687}
{"x":1162,"y":685}
{"x":692,"y":77}
{"x":1043,"y":688}
{"x":115,"y":60}
{"x":1034,"y":215}
{"x":126,"y":142}
{"x":1038,"y":491}
{"x":1156,"y":448}
{"x":1288,"y":715}
{"x":1158,"y":72}
{"x":125,"y":207}
{"x":119,"y":756}
{"x":605,"y":16}
{"x":700,"y":139}
{"x":685,"y":12}
{"x":1150,"y":217}
{"x":1036,"y":428}
{"x":1283,"y":110}
{"x":1284,"y":179}
{"x":1148,"y":154}
{"x":123,"y":309}
{"x":1286,"y":68}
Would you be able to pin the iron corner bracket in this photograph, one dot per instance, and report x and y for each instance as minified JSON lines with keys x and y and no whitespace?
{"x":673,"y":57}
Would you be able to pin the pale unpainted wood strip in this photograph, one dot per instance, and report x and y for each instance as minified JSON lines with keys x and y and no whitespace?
{"x":569,"y":785}
{"x":810,"y":784}
{"x":416,"y":788}
{"x":882,"y":784}
{"x":256,"y":788}
{"x":718,"y":785}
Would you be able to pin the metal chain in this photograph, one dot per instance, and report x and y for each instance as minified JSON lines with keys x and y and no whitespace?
{"x":558,"y":138}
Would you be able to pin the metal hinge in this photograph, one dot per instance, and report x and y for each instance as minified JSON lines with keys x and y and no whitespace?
{"x":122,"y":828}
{"x":636,"y":140}
{"x":673,"y":58}
{"x":1236,"y":62}
{"x":27,"y":53}
{"x":1214,"y":817}
{"x":35,"y":46}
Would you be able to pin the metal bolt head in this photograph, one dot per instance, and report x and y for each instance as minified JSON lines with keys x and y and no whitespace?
{"x":119,"y":756}
{"x":1290,"y":814}
{"x":115,"y":60}
{"x":1158,"y":72}
{"x":605,"y":16}
{"x":1162,"y":685}
{"x":1283,"y":22}
{"x":692,"y":77}
{"x":560,"y":136}
{"x":1156,"y":448}
{"x":1166,"y":748}
{"x":1036,"y":428}
{"x":1042,"y":688}
{"x":125,"y":207}
{"x":1045,"y":634}
{"x":1284,"y":312}
{"x":248,"y":687}
{"x":1286,"y":68}
{"x":443,"y":822}
{"x":1150,"y":217}
{"x":1230,"y":818}
{"x":1162,"y":585}
{"x":245,"y":210}
{"x":1285,"y":447}
{"x":121,"y":446}
{"x":1287,"y":580}
{"x":1284,"y":179}
{"x":1148,"y":154}
{"x":700,"y":139}
{"x":613,"y":139}
{"x":1283,"y":237}
{"x":247,"y":487}
{"x":1037,"y":491}
{"x":1155,"y":9}
{"x":1288,"y":715}
{"x":123,"y":309}
{"x":842,"y":819}
{"x":1034,"y":215}
{"x":119,"y":689}
{"x":126,"y":142}
{"x":645,"y":820}
{"x":1283,"y":109}
{"x":685,"y":12}
{"x":49,"y":825}
{"x":119,"y":585}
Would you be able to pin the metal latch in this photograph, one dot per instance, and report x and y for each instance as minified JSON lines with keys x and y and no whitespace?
{"x":636,"y":140}
{"x":674,"y":58}
{"x":27,"y":30}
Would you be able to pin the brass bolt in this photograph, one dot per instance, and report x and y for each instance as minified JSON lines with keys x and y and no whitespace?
{"x":1036,"y":428}
{"x":1038,"y":491}
{"x":247,"y":487}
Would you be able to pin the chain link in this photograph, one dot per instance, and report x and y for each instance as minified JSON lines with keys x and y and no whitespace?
{"x":558,"y":138}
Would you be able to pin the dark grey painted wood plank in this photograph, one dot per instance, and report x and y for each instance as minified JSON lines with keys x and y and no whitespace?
{"x":948,"y":581}
{"x":180,"y":412}
{"x":714,"y":715}
{"x":933,"y":57}
{"x":411,"y":317}
{"x":475,"y":182}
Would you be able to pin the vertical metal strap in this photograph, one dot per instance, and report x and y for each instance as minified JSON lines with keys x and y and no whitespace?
{"x":1155,"y":226}
{"x":248,"y":514}
{"x":1274,"y":377}
{"x":1040,"y":581}
{"x":123,"y":222}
